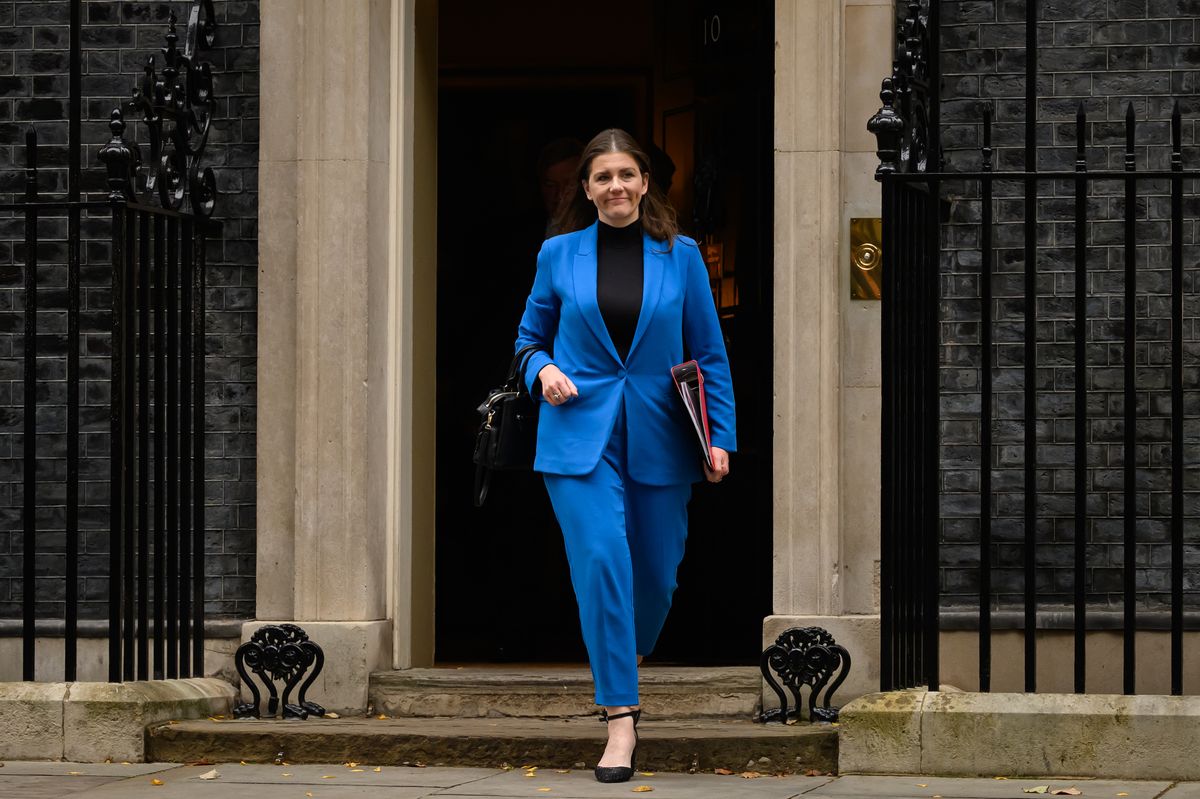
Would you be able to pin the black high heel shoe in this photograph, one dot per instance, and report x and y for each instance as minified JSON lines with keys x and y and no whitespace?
{"x":620,"y":773}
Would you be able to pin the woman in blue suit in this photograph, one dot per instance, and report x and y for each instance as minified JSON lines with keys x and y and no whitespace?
{"x":615,"y":301}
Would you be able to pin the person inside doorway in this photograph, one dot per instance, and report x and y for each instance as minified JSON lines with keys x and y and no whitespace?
{"x":557,"y":164}
{"x":616,"y":298}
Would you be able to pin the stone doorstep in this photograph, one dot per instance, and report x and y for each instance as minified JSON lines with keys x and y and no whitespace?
{"x":561,"y":691}
{"x":665,"y":745}
{"x":963,"y":734}
{"x":88,"y":722}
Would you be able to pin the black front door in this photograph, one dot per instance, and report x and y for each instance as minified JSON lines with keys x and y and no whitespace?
{"x":705,"y":102}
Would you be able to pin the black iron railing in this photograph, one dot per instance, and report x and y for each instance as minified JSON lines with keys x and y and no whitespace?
{"x":159,"y":212}
{"x":911,"y":174}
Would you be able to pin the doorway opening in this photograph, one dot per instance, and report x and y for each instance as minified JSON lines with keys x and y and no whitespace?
{"x":518,"y":82}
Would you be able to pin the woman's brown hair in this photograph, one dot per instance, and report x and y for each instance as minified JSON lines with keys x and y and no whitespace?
{"x":656,"y":214}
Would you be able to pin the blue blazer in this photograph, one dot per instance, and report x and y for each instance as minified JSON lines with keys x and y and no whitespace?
{"x":562,"y":315}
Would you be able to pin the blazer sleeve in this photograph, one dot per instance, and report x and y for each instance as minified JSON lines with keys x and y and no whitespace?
{"x":539,"y":323}
{"x":702,"y":332}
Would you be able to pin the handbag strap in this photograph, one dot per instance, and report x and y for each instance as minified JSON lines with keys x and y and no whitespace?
{"x":519,"y":361}
{"x":483,"y":479}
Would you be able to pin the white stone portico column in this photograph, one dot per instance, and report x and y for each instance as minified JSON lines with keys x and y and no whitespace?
{"x":826,"y":440}
{"x":325,"y":275}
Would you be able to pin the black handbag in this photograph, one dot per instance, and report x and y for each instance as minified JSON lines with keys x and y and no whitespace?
{"x":507,"y":436}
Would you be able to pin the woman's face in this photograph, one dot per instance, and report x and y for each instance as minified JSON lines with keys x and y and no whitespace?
{"x":616,"y":185}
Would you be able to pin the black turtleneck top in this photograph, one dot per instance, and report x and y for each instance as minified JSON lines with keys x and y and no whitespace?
{"x":619,"y":281}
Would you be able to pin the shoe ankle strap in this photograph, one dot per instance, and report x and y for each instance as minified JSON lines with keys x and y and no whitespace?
{"x":605,"y":717}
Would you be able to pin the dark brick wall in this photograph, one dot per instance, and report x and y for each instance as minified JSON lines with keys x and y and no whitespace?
{"x":117,"y":38}
{"x":1104,"y":55}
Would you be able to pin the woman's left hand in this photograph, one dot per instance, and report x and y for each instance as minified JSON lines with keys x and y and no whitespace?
{"x":720,"y":465}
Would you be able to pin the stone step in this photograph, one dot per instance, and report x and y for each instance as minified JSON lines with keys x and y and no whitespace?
{"x":697,"y":745}
{"x":536,"y":691}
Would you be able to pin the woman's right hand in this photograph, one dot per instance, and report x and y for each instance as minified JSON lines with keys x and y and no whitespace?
{"x":557,"y":388}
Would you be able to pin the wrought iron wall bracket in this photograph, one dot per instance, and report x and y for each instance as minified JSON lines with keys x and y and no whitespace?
{"x":285,"y":654}
{"x":804,"y":656}
{"x":902,"y":124}
{"x":176,"y":106}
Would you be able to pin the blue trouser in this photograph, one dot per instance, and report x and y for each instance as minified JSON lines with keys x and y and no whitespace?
{"x":624,"y":542}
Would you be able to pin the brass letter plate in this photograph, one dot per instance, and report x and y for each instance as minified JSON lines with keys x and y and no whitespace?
{"x":866,"y":264}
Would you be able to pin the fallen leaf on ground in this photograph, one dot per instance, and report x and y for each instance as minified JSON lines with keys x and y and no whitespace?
{"x":750,"y":775}
{"x":999,"y":778}
{"x":1066,"y":792}
{"x":308,"y":793}
{"x":204,"y":761}
{"x":1037,"y":789}
{"x":377,"y":769}
{"x":156,"y":782}
{"x":562,"y":771}
{"x":350,"y":764}
{"x":243,"y":762}
{"x":642,"y":789}
{"x":326,"y":776}
{"x":1123,"y":793}
{"x":922,"y":785}
{"x":357,"y":770}
{"x":544,"y":790}
{"x":286,"y":774}
{"x":332,"y":715}
{"x":210,"y":775}
{"x":381,"y":716}
{"x":812,"y":772}
{"x":74,"y":773}
{"x":646,"y":773}
{"x":127,"y":763}
{"x":722,"y":771}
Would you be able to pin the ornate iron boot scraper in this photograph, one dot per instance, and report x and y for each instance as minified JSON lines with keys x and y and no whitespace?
{"x":279,"y":652}
{"x":804,"y":656}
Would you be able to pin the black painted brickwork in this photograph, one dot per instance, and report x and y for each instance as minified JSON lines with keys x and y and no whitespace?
{"x":117,"y":37}
{"x":1105,"y":55}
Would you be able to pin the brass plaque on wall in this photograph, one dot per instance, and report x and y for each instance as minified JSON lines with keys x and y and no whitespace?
{"x":866,"y":258}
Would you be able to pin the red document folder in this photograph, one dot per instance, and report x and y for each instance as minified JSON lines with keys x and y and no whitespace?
{"x":689,"y":380}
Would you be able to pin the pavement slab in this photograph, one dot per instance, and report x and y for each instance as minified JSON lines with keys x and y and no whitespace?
{"x":361,"y":774}
{"x":59,"y":768}
{"x":329,"y":781}
{"x":34,"y":786}
{"x":206,"y":790}
{"x":582,"y":784}
{"x":864,"y":787}
{"x":25,"y":780}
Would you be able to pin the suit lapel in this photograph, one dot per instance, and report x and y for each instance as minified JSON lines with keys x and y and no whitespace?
{"x":653,"y":266}
{"x":584,"y":276}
